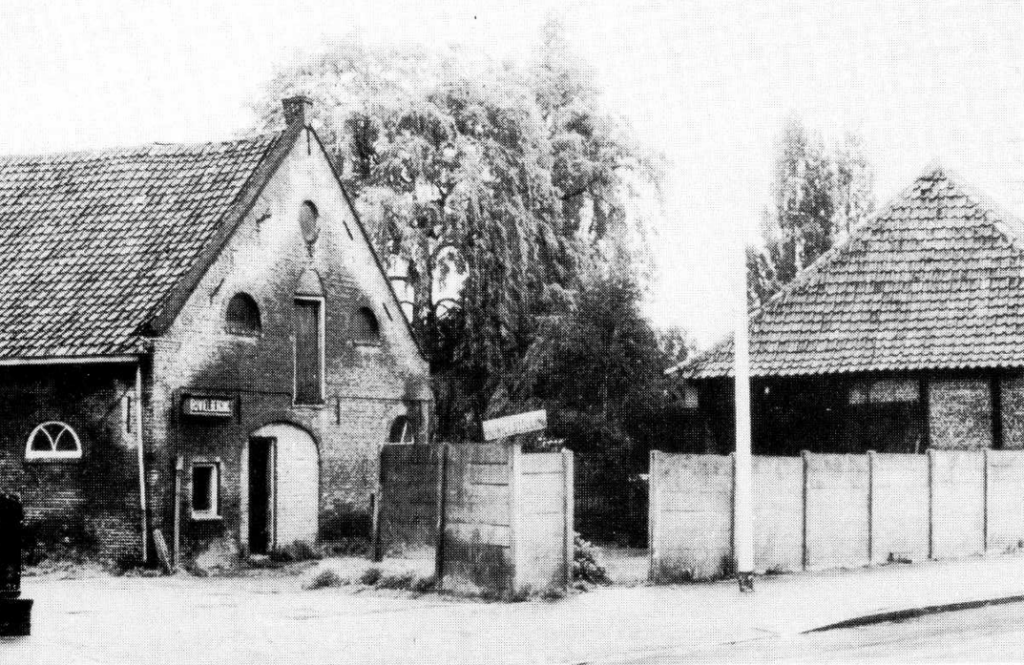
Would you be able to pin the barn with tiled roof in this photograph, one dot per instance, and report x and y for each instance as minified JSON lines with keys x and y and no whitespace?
{"x":908,"y":335}
{"x":199,"y":348}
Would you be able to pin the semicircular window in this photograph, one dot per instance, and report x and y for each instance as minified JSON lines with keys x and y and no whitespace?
{"x":53,"y":440}
{"x":309,"y":221}
{"x":401,"y":431}
{"x":365,"y":327}
{"x":243,"y":315}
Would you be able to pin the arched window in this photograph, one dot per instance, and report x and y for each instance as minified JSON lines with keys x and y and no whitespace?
{"x":401,"y":431}
{"x":243,"y":315}
{"x":365,"y":328}
{"x":53,"y":440}
{"x":309,"y":221}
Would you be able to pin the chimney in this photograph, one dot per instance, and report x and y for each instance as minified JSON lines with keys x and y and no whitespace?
{"x":297,"y":110}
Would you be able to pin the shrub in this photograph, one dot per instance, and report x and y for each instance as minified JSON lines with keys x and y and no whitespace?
{"x":324,"y":579}
{"x":585,"y":564}
{"x":300,"y":550}
{"x":371,"y":576}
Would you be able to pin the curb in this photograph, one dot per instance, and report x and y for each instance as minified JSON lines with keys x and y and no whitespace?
{"x":915,"y":612}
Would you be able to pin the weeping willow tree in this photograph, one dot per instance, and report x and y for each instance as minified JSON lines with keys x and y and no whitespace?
{"x":488,"y":189}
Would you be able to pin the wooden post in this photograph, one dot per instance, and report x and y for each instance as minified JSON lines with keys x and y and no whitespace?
{"x":139,"y":439}
{"x":179,"y":469}
{"x":570,"y":531}
{"x":442,"y":506}
{"x":378,"y":545}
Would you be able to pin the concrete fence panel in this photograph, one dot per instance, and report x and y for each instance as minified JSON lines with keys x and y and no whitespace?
{"x":478,"y":523}
{"x":778,"y":495}
{"x":958,"y":503}
{"x":498,"y":520}
{"x":827,"y":511}
{"x":836,"y":511}
{"x":544,"y":523}
{"x":899,"y":507}
{"x":691,"y":505}
{"x":1005,"y":501}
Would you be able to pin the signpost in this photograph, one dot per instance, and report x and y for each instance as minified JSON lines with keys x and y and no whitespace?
{"x":521,"y":423}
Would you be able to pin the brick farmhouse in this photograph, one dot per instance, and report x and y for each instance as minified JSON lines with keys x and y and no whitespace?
{"x":197,"y":339}
{"x":907,"y":335}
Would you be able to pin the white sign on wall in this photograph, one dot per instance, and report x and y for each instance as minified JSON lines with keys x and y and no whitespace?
{"x":521,"y":423}
{"x":220,"y":407}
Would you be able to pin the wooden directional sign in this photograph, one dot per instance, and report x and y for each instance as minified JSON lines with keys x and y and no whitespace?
{"x":521,"y":423}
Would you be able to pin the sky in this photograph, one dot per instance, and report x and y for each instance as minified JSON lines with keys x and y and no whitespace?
{"x":707,"y":84}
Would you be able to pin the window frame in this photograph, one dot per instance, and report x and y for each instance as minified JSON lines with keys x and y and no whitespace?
{"x":213,"y":513}
{"x":53,"y":454}
{"x":233,"y":329}
{"x":321,"y":352}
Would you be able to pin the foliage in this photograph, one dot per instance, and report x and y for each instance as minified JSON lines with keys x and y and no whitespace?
{"x":819,"y":195}
{"x":586,"y":566}
{"x":489,"y":189}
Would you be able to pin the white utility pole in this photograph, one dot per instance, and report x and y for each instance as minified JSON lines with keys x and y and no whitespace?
{"x":743,"y":514}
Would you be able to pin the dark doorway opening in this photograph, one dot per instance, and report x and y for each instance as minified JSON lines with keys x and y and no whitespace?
{"x":260,"y":494}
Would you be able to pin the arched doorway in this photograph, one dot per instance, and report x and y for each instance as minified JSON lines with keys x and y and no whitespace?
{"x":283,"y":488}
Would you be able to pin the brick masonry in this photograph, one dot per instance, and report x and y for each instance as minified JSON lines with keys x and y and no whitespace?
{"x":960,"y":413}
{"x":367,"y":386}
{"x":91,"y":503}
{"x":94,"y":502}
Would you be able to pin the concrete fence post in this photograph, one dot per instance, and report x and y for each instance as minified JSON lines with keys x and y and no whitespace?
{"x":652,"y":515}
{"x":442,"y":509}
{"x":805,"y":456}
{"x":732,"y":506}
{"x":569,"y":497}
{"x":984,"y":501}
{"x":515,"y":530}
{"x":871,"y":507}
{"x":931,"y":503}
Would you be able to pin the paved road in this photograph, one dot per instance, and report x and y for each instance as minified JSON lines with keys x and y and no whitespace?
{"x":993,"y":635}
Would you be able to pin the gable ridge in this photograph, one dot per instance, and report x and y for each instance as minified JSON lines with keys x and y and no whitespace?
{"x":934,"y":171}
{"x":1006,"y":226}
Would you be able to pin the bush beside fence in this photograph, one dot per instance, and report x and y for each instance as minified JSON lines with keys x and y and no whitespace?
{"x":821,"y":511}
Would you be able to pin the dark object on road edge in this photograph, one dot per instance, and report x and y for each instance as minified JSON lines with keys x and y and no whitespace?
{"x":15,"y":611}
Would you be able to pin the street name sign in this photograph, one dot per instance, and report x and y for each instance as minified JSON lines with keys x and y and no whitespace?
{"x":521,"y":423}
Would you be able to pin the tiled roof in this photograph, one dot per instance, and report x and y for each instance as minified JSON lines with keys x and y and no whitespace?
{"x":934,"y":281}
{"x":91,"y":244}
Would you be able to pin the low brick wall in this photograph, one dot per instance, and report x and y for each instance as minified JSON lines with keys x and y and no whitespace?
{"x":828,"y":511}
{"x":506,"y":517}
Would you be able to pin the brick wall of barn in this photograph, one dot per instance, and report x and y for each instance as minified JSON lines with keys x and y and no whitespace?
{"x":963,"y":411}
{"x":89,"y":504}
{"x":366,"y":385}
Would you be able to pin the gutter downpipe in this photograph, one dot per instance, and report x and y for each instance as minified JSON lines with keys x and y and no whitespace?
{"x":142,"y":462}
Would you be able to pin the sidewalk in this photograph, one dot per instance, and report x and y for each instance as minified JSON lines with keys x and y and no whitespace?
{"x":176,"y":620}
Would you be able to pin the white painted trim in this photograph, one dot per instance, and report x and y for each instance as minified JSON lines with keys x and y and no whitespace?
{"x":214,"y":511}
{"x":83,"y":360}
{"x":53,"y":453}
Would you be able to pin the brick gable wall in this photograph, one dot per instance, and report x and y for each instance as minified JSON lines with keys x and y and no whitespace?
{"x":365,"y":386}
